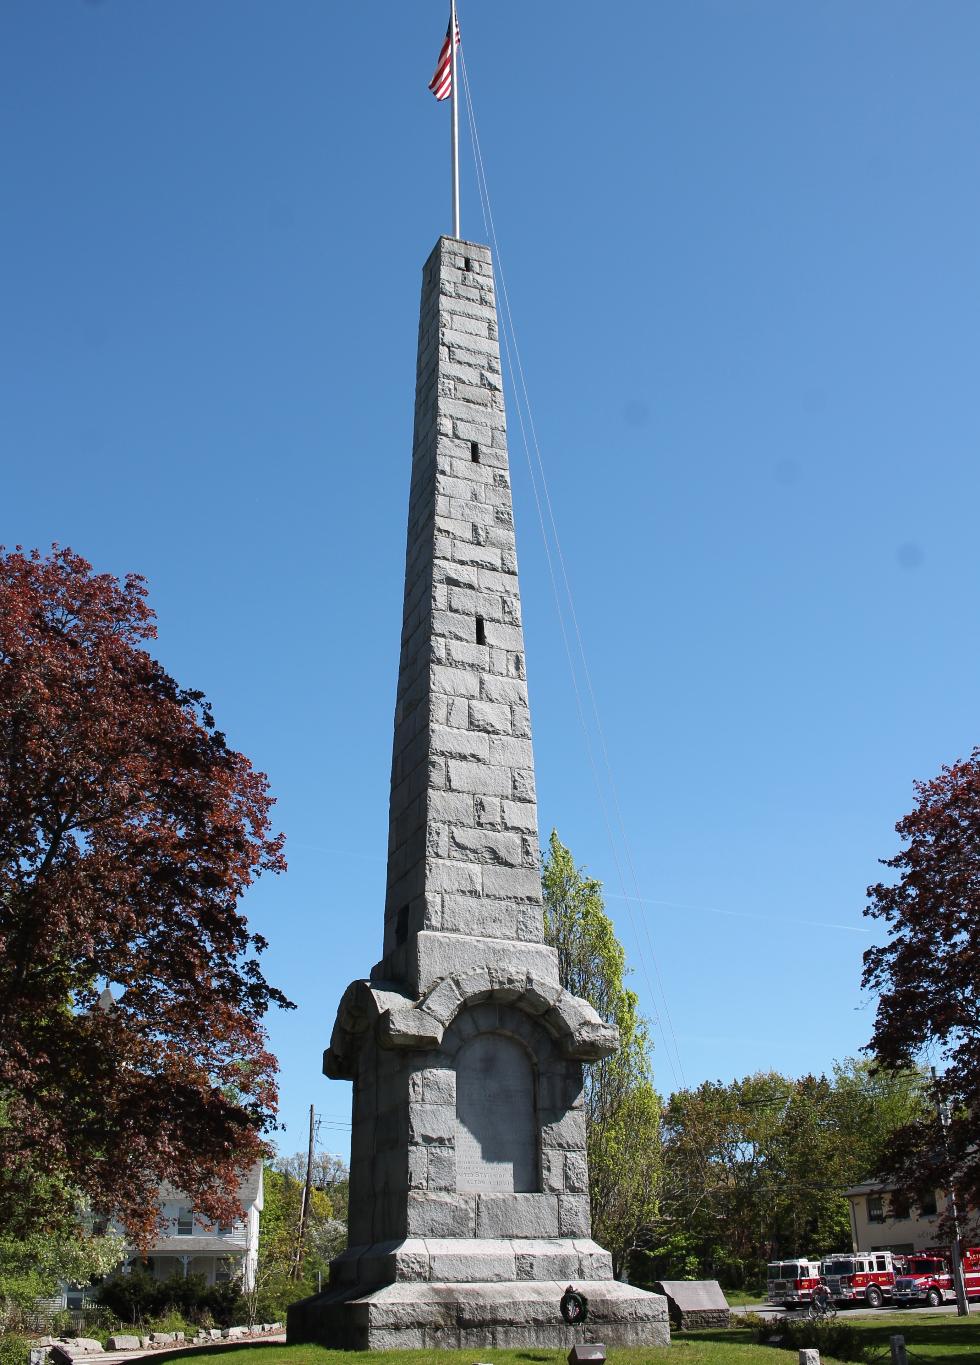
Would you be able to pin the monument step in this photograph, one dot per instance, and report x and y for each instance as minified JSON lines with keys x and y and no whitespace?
{"x":445,"y":1316}
{"x":459,"y":1260}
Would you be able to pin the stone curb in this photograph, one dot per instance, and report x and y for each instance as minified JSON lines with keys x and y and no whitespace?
{"x":67,"y":1353}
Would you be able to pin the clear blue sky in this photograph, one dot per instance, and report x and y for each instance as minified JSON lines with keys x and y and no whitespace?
{"x":741,"y":247}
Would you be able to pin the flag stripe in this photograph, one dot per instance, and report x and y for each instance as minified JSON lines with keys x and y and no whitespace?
{"x":441,"y":84}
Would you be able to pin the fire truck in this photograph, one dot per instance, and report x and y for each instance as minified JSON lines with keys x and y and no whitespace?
{"x":791,"y":1282}
{"x":866,"y":1277}
{"x":927,"y":1278}
{"x":971,"y":1271}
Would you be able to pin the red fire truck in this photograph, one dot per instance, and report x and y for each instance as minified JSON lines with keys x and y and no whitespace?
{"x":791,"y":1282}
{"x":971,"y":1271}
{"x":927,"y":1278}
{"x":862,"y":1277}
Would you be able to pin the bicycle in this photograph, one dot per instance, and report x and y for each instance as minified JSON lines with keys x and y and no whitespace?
{"x":821,"y":1307}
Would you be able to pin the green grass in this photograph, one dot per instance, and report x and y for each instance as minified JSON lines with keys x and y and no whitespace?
{"x":738,"y":1298}
{"x":932,"y":1339}
{"x":704,"y":1349}
{"x":928,"y":1336}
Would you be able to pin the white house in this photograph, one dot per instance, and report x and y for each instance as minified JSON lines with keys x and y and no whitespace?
{"x":190,"y":1245}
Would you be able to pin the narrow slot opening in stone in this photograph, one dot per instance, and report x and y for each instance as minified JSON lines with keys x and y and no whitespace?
{"x":475,"y":451}
{"x":469,"y":263}
{"x":481,"y":631}
{"x":401,"y":926}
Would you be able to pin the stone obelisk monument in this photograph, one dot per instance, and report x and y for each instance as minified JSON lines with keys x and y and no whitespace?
{"x":469,"y":1189}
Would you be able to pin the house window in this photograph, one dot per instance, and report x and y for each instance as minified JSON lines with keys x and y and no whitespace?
{"x":899,"y":1205}
{"x":876,"y":1208}
{"x":222,"y":1270}
{"x":185,"y":1222}
{"x":928,"y":1204}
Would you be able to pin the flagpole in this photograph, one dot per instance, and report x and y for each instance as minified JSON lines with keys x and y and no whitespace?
{"x":455,"y":118}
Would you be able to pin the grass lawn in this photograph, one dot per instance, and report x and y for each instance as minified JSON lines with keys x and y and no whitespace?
{"x":928,"y":1336}
{"x":932,"y":1339}
{"x":706,"y":1349}
{"x":738,"y":1298}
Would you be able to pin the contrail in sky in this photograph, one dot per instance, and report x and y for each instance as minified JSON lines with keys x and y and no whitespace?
{"x":638,"y":900}
{"x":740,"y":914}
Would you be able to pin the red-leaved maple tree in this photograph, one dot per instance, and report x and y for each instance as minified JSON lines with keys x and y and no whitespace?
{"x":927,"y":977}
{"x":128,"y":832}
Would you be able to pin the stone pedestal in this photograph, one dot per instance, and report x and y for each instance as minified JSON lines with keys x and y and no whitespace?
{"x":469,"y":1194}
{"x":410,"y":1316}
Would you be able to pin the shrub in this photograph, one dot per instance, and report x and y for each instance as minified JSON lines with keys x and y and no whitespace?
{"x":753,"y":1322}
{"x":94,"y":1320}
{"x":138,"y":1297}
{"x":14,"y":1349}
{"x":170,"y":1322}
{"x":272,"y":1297}
{"x":130,"y":1297}
{"x":842,"y":1340}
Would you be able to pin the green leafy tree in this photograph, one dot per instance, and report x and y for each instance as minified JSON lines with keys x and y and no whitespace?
{"x":63,"y":1246}
{"x":622,"y":1107}
{"x":276,"y":1285}
{"x":715,"y":1143}
{"x":757,"y":1168}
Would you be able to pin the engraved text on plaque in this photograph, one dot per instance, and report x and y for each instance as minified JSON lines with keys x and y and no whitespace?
{"x":496,"y":1123}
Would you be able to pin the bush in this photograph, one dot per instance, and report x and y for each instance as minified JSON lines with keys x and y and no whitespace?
{"x":276,"y":1290}
{"x":14,"y":1349}
{"x":839,"y":1339}
{"x":754,"y":1323}
{"x":93,"y":1320}
{"x":130,"y":1297}
{"x":170,"y":1322}
{"x":138,"y":1297}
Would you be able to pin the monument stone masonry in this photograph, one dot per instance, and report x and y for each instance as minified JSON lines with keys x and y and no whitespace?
{"x":469,"y":1190}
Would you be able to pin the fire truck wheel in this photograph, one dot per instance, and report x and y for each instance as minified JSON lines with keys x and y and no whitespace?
{"x":874,"y":1296}
{"x":934,"y":1298}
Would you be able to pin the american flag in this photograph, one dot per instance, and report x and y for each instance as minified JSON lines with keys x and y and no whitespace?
{"x":441,"y":84}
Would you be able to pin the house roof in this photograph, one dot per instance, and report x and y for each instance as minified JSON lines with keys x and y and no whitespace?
{"x":249,"y":1189}
{"x":869,"y":1187}
{"x":206,"y":1244}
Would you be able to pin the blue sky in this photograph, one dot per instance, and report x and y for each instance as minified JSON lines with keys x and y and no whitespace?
{"x":740,"y":241}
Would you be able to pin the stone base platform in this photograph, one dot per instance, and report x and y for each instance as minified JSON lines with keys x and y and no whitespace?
{"x":471,"y":1260}
{"x":414,"y":1316}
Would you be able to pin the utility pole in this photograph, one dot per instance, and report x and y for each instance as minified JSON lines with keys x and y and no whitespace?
{"x":962,"y":1302}
{"x":304,"y":1207}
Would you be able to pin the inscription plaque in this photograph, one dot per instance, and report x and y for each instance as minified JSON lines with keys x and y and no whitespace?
{"x":496,"y":1122}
